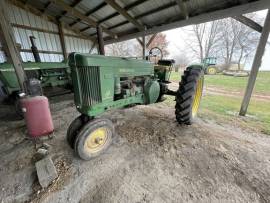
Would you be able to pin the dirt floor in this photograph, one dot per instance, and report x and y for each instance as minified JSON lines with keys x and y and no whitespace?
{"x":152,"y":159}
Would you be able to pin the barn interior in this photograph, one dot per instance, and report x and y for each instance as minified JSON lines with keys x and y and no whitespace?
{"x":152,"y":158}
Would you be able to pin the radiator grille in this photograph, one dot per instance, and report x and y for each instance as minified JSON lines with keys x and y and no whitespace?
{"x":89,"y":80}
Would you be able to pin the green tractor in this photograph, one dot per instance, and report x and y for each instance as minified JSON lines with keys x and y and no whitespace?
{"x":102,"y":83}
{"x":50,"y":74}
{"x":209,"y":65}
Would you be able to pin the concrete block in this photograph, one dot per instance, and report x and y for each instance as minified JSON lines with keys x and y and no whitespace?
{"x":46,"y":171}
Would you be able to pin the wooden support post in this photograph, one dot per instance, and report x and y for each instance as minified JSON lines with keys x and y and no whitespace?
{"x":256,"y":65}
{"x":143,"y":47}
{"x":100,"y":41}
{"x":6,"y":33}
{"x":140,"y":41}
{"x":62,"y":40}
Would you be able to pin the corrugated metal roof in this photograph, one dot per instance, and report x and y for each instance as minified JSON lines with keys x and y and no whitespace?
{"x":148,"y":13}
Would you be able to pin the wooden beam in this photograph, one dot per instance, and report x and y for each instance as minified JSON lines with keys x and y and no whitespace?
{"x":74,"y":12}
{"x":140,"y":41}
{"x":84,"y":29}
{"x":143,"y":48}
{"x":73,"y":5}
{"x":256,"y":65}
{"x":89,"y":13}
{"x":128,"y":7}
{"x":100,"y":41}
{"x":52,"y":19}
{"x":8,"y":40}
{"x":183,"y":8}
{"x":147,"y":13}
{"x":151,"y":40}
{"x":31,"y":9}
{"x":248,"y":22}
{"x":26,"y":27}
{"x":62,"y":40}
{"x":124,"y":13}
{"x":41,"y":51}
{"x":201,"y":18}
{"x":46,"y":7}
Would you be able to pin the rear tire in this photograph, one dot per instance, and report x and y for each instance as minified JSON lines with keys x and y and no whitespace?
{"x":189,"y":95}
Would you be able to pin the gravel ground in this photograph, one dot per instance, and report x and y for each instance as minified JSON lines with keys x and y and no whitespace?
{"x":152,"y":159}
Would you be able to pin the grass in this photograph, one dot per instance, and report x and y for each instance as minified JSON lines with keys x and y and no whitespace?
{"x":225,"y":108}
{"x":235,"y":83}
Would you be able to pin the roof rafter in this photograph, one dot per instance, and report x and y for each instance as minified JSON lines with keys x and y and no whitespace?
{"x":46,"y":7}
{"x":38,"y":12}
{"x":248,"y":22}
{"x":73,"y":5}
{"x":166,"y":6}
{"x":124,"y":13}
{"x":200,"y":18}
{"x":128,"y":7}
{"x":78,"y":14}
{"x":183,"y":8}
{"x":89,"y":13}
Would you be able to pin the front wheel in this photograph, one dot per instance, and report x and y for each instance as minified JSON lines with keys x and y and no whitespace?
{"x":189,"y":95}
{"x":74,"y":129}
{"x":94,"y":138}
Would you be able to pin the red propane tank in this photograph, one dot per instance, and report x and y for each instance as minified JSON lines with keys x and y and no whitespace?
{"x":37,"y":116}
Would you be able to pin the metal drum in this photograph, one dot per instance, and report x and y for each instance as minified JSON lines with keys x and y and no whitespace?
{"x":37,"y":116}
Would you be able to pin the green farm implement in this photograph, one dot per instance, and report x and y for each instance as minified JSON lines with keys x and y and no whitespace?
{"x":102,"y":83}
{"x":50,"y":74}
{"x":209,"y":65}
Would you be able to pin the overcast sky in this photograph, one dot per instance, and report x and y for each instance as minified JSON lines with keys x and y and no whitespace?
{"x":177,"y":45}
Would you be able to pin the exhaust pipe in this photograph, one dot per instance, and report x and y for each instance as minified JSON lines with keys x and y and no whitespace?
{"x":34,"y":49}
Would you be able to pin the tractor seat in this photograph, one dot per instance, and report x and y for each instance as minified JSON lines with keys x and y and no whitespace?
{"x":166,"y":62}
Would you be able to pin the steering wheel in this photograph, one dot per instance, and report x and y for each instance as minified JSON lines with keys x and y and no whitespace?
{"x":155,"y":52}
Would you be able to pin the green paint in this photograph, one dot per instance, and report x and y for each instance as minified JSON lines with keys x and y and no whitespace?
{"x":48,"y":72}
{"x":96,"y":81}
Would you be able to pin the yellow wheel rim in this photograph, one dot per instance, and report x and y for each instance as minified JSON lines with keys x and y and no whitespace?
{"x":96,"y":140}
{"x":212,"y":70}
{"x":197,"y":97}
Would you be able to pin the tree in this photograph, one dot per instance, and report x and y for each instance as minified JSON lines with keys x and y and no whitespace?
{"x":238,"y":41}
{"x":227,"y":39}
{"x":125,"y":49}
{"x":133,"y":48}
{"x":203,"y":39}
{"x":159,"y":41}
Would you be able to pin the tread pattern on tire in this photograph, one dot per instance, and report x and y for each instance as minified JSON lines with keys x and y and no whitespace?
{"x":73,"y":129}
{"x":185,"y":95}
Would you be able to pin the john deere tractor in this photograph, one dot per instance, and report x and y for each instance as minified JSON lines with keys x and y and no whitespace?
{"x":209,"y":65}
{"x":102,"y":83}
